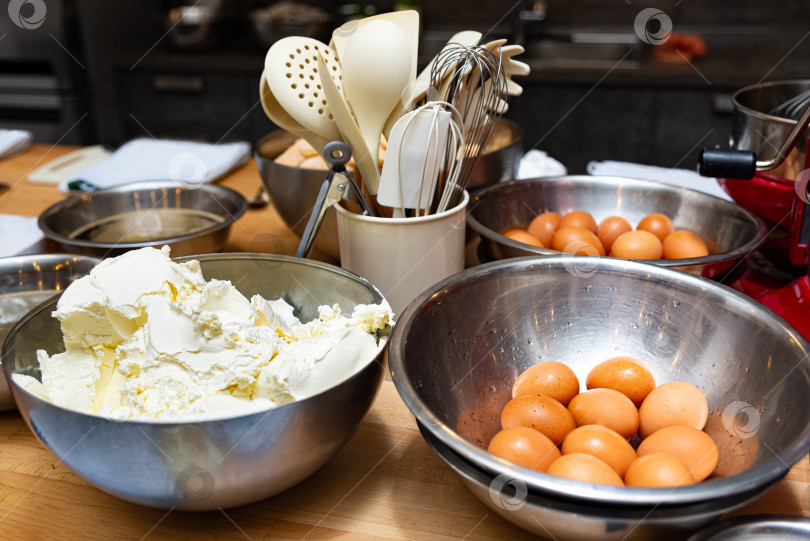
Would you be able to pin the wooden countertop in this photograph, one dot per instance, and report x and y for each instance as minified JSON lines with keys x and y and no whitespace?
{"x":385,"y":484}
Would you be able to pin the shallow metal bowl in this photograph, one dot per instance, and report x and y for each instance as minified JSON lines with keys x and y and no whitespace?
{"x":458,"y":348}
{"x":105,"y":223}
{"x":208,"y":464}
{"x":730,"y":231}
{"x":294,"y":189}
{"x":26,"y":281}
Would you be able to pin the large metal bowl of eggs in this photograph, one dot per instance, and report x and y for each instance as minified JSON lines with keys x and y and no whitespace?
{"x":742,"y":373}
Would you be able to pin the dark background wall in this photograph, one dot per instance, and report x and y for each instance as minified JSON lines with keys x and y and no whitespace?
{"x":127,"y":78}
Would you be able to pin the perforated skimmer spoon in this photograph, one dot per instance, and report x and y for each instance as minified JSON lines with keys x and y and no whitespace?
{"x":292,"y":67}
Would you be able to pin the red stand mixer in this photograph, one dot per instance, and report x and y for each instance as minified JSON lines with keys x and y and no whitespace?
{"x":767,"y":172}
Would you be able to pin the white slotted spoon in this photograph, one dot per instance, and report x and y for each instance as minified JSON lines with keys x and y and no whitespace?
{"x":283,"y":120}
{"x":296,"y":86}
{"x":376,"y":68}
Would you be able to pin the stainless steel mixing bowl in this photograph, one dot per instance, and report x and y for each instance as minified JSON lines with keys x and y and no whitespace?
{"x":458,"y":348}
{"x":294,"y":189}
{"x":210,"y":464}
{"x":26,"y":281}
{"x":542,"y":515}
{"x":730,"y":231}
{"x":194,"y":219}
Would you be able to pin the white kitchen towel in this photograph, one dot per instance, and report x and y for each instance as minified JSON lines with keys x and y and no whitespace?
{"x":18,"y":233}
{"x":536,"y":163}
{"x":675,"y":177}
{"x":14,"y":141}
{"x":187,"y":163}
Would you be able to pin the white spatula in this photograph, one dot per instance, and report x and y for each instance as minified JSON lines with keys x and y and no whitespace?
{"x":412,"y":160}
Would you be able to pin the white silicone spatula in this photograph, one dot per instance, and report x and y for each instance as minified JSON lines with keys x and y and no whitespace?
{"x":376,"y":68}
{"x":413,"y":160}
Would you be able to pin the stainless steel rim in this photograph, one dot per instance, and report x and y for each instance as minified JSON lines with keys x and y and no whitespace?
{"x":213,"y":190}
{"x":48,"y":304}
{"x":546,"y":484}
{"x":759,"y":114}
{"x":753,"y":244}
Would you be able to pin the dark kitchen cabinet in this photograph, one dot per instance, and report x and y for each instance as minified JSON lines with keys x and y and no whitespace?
{"x":209,"y":108}
{"x":576,"y":123}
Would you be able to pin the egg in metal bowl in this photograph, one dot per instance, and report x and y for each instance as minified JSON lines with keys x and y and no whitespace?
{"x":730,"y":231}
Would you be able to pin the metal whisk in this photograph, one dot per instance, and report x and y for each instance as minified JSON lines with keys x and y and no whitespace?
{"x":473,"y":81}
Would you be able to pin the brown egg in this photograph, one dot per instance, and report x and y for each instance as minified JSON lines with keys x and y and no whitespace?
{"x":541,"y":413}
{"x":683,"y":244}
{"x":587,"y":468}
{"x":548,"y":378}
{"x":578,"y":218}
{"x":520,"y":235}
{"x":637,"y":245}
{"x":605,"y":407}
{"x":657,"y":224}
{"x":693,"y":447}
{"x":658,"y":470}
{"x":627,"y":375}
{"x":543,"y":226}
{"x":671,"y":404}
{"x":576,"y":240}
{"x":611,"y":229}
{"x":605,"y":444}
{"x":524,"y":446}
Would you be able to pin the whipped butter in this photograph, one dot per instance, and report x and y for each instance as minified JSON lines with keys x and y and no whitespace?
{"x":148,"y":338}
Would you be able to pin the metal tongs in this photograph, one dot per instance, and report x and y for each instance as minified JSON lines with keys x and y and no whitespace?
{"x":337,"y":186}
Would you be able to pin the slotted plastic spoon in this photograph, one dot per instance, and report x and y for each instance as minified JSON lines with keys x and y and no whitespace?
{"x":329,"y":73}
{"x":376,"y":68}
{"x":282,"y":119}
{"x":293,"y":63}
